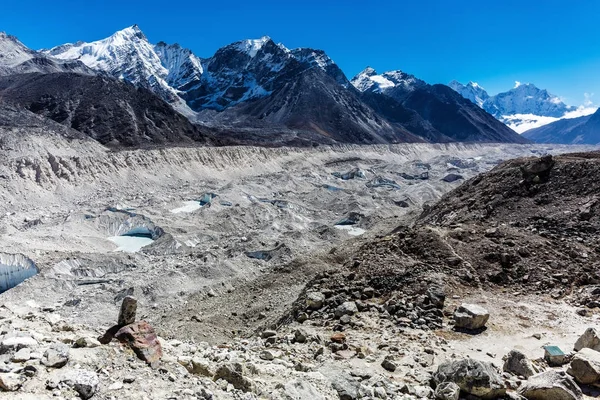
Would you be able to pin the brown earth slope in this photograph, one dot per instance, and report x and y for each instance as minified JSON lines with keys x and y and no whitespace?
{"x":529,"y":225}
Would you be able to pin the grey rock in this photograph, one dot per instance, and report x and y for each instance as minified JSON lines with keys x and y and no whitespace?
{"x":517,"y":363}
{"x":16,"y":343}
{"x":297,"y":389}
{"x":346,"y":308}
{"x":302,"y":317}
{"x":447,"y":391}
{"x":268,"y":333}
{"x":11,"y":382}
{"x":551,"y":385}
{"x":198,"y":366}
{"x":22,"y":355}
{"x":470,"y":316}
{"x":590,"y":339}
{"x":585,"y":366}
{"x":267,"y":355}
{"x":300,"y":336}
{"x":421,"y":392}
{"x":436,"y":296}
{"x":474,"y":377}
{"x":82,"y":381}
{"x":234,"y":373}
{"x":346,"y":389}
{"x":128,"y":311}
{"x":389,"y":363}
{"x":56,"y":356}
{"x":314,"y":300}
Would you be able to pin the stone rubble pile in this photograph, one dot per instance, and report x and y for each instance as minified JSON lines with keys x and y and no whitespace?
{"x":42,"y":357}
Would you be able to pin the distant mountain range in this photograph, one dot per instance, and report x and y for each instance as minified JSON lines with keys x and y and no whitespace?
{"x":249,"y":92}
{"x":524,"y":108}
{"x":581,"y":130}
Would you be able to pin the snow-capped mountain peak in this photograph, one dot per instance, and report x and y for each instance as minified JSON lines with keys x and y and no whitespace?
{"x":472,"y":91}
{"x":370,"y":80}
{"x":252,"y":46}
{"x":15,"y":57}
{"x":127,"y":55}
{"x":184,"y":68}
{"x":12,"y":51}
{"x":523,"y":107}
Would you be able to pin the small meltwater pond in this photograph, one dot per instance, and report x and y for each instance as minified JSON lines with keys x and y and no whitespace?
{"x":133,"y":240}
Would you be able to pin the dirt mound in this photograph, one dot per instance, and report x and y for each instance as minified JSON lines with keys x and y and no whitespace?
{"x":529,"y":225}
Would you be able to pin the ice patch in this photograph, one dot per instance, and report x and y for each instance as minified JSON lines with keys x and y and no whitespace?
{"x":351,"y":229}
{"x":189,"y":206}
{"x":14,"y":269}
{"x":130,"y":244}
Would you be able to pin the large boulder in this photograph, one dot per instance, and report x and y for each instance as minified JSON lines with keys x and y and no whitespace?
{"x":470,"y":316}
{"x":590,"y":339}
{"x":477,"y":378}
{"x":142,"y":339}
{"x":517,"y":363}
{"x":585,"y":366}
{"x":551,"y":385}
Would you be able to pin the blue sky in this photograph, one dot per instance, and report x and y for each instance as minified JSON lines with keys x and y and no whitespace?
{"x":551,"y":43}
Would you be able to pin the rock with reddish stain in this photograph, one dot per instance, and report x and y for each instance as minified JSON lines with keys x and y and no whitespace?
{"x":141,"y":338}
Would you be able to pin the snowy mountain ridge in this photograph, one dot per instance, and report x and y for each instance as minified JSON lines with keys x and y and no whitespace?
{"x":523,"y":107}
{"x":471,"y":91}
{"x":238,"y":72}
{"x":15,"y":57}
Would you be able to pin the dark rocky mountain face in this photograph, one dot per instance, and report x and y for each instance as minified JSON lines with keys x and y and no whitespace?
{"x":314,"y":101}
{"x":244,"y":87}
{"x":457,"y":117}
{"x":113,"y":113}
{"x":435,"y":112}
{"x":582,"y":130}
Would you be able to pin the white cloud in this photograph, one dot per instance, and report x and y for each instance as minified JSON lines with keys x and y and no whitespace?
{"x":517,"y":84}
{"x":580,"y":112}
{"x":588,"y":99}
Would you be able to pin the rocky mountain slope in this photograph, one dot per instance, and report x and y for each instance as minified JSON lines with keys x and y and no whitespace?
{"x":16,"y":58}
{"x":114,"y":113}
{"x":584,"y":129}
{"x":261,"y":86}
{"x":452,"y":117}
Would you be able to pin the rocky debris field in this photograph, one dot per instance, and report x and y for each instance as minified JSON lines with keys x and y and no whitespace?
{"x":256,"y":293}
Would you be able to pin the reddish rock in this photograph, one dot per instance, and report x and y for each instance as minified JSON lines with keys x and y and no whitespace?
{"x":140,"y":337}
{"x":338,"y":338}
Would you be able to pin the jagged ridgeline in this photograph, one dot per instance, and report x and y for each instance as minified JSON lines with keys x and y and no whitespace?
{"x":125,"y":91}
